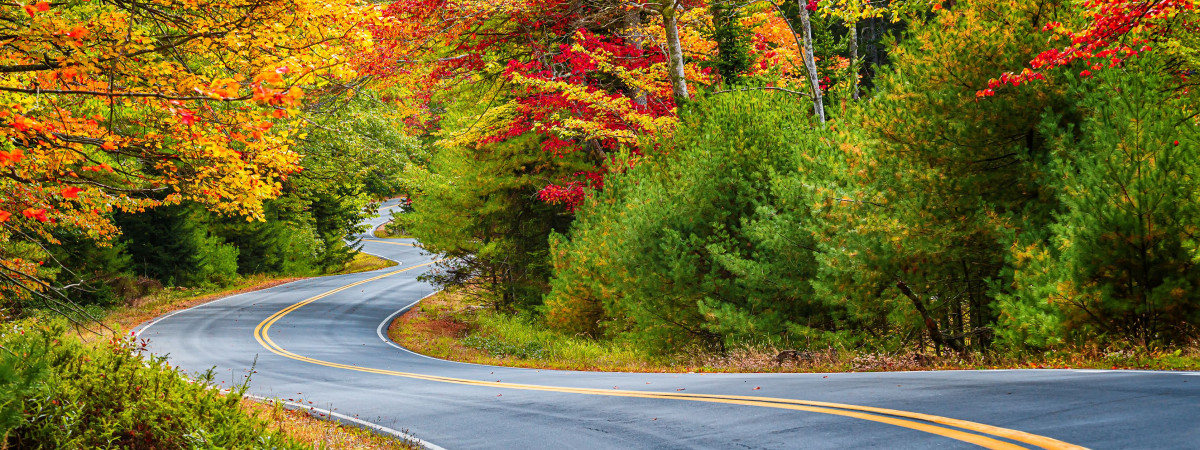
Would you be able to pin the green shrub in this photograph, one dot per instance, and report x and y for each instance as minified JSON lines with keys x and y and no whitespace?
{"x":107,"y":396}
{"x":174,"y":244}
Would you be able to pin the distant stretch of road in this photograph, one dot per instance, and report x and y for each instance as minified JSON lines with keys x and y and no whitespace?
{"x":322,"y":340}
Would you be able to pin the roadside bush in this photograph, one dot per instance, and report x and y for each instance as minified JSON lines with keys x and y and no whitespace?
{"x":58,"y":393}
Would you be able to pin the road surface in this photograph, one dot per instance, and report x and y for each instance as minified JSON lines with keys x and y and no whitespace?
{"x":322,"y":341}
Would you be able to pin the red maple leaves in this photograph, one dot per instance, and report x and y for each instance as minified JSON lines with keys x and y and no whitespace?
{"x":550,"y":62}
{"x":1118,"y":30}
{"x":32,"y":10}
{"x":544,"y":112}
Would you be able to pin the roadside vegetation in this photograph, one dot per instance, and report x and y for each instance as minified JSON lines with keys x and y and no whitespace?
{"x":673,"y":185}
{"x":59,"y":392}
{"x":972,"y":197}
{"x":456,"y":325}
{"x":85,"y":384}
{"x":461,"y":326}
{"x":385,"y":231}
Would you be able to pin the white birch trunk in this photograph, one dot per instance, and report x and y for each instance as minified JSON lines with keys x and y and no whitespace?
{"x":810,"y":62}
{"x":675,"y":54}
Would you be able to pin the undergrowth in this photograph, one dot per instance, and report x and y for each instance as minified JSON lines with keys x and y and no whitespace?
{"x":456,"y":325}
{"x":61,"y":393}
{"x":84,"y":385}
{"x":449,"y":326}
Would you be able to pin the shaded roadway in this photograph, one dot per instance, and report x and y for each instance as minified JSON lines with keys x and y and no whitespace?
{"x":329,"y":351}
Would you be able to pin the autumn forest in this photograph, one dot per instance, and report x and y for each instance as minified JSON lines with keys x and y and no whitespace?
{"x":980,"y":179}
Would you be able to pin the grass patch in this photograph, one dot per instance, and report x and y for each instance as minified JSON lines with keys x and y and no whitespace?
{"x":450,"y":326}
{"x":388,"y":231}
{"x":363,"y":262}
{"x":320,"y":431}
{"x":454,"y":325}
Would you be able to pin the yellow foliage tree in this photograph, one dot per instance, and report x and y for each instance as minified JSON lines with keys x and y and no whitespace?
{"x":114,"y":105}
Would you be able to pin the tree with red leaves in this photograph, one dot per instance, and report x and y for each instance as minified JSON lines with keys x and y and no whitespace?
{"x":584,"y":76}
{"x":1107,"y":33}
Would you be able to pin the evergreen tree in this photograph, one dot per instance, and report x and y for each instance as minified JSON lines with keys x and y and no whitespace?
{"x":479,"y":208}
{"x":1119,"y":261}
{"x":687,"y":249}
{"x":733,"y":42}
{"x":173,"y":244}
{"x":950,"y":177}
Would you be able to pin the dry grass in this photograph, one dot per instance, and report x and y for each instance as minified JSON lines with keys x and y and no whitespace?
{"x":436,"y":328}
{"x":450,"y":325}
{"x":363,"y":262}
{"x":319,"y":431}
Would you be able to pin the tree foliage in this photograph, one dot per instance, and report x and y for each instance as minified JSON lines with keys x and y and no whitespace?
{"x":110,"y":106}
{"x":1044,"y":214}
{"x":1119,"y":259}
{"x":690,"y":250}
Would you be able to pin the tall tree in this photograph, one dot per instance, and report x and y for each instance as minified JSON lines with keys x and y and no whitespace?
{"x":940,"y":192}
{"x":106,"y":102}
{"x":810,"y":59}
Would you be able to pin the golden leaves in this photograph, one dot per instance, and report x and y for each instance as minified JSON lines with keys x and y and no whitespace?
{"x":102,"y":103}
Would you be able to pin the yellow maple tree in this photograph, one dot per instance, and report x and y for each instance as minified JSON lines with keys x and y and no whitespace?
{"x":111,"y":105}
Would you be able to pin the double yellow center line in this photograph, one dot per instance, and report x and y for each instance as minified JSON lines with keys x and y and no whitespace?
{"x":392,"y":243}
{"x":972,"y":432}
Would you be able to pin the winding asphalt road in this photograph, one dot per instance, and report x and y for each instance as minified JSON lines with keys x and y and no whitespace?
{"x":320,"y":340}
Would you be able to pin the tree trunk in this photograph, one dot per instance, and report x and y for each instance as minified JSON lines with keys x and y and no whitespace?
{"x":935,"y":334}
{"x":633,"y":24}
{"x":853,"y":25}
{"x":810,"y":61}
{"x":675,"y":54}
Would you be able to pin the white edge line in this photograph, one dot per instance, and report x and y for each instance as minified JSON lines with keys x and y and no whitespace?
{"x":374,"y":426}
{"x":378,"y":428}
{"x":138,"y":334}
{"x":383,"y":337}
{"x":399,"y":434}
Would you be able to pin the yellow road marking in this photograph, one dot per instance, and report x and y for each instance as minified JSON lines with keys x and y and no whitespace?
{"x":882,"y":415}
{"x":393,"y":243}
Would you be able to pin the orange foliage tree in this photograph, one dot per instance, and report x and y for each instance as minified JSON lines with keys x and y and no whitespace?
{"x":116,"y":105}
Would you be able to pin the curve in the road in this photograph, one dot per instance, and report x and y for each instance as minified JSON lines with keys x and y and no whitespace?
{"x":975,"y":433}
{"x":329,"y":352}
